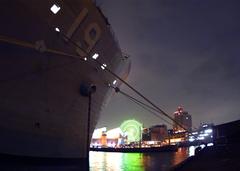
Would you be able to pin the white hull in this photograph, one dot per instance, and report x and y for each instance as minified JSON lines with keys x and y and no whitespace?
{"x":42,"y":111}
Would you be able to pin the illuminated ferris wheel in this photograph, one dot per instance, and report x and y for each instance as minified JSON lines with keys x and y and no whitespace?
{"x":132,"y":129}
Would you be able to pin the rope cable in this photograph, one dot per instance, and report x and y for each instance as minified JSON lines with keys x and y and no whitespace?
{"x":29,"y":45}
{"x":143,"y":105}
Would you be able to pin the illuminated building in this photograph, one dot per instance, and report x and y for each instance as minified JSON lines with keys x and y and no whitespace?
{"x":158,"y":132}
{"x":103,"y":138}
{"x":114,"y":137}
{"x":156,"y":135}
{"x":204,"y":134}
{"x":146,"y":136}
{"x":129,"y":131}
{"x":99,"y":137}
{"x":183,"y":118}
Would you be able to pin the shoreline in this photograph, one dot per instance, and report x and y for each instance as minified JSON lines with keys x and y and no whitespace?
{"x":167,"y":148}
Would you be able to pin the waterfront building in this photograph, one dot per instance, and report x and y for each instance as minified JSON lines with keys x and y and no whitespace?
{"x":203,"y":135}
{"x":130,"y":131}
{"x":183,"y":118}
{"x":99,"y":137}
{"x":158,"y":132}
{"x":155,"y":135}
{"x":176,"y":137}
{"x":146,"y":136}
{"x":114,"y":137}
{"x":107,"y":138}
{"x":103,"y":139}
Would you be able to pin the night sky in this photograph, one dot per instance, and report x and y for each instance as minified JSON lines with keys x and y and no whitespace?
{"x":183,"y":52}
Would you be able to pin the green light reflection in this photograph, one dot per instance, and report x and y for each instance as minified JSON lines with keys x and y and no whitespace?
{"x":133,"y":161}
{"x":100,"y":161}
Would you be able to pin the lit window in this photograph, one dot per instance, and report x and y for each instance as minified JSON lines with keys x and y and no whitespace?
{"x":95,"y":56}
{"x":191,"y":139}
{"x":55,"y":8}
{"x":208,"y":131}
{"x":210,"y":144}
{"x":105,"y":65}
{"x":200,"y":138}
{"x":57,"y":29}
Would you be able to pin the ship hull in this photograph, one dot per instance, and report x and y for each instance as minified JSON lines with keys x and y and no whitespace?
{"x":43,"y":111}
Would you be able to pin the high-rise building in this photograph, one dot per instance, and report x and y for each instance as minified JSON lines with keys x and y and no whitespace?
{"x":183,"y":118}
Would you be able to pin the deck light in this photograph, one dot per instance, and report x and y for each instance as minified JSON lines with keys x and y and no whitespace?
{"x":57,"y":29}
{"x":55,"y":8}
{"x":114,"y":82}
{"x":95,"y":56}
{"x":104,"y":66}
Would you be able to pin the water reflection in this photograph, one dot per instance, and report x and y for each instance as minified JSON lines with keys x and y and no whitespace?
{"x":137,"y":161}
{"x":107,"y":161}
{"x":101,"y":161}
{"x":180,"y":155}
{"x":191,"y":151}
{"x":133,"y":161}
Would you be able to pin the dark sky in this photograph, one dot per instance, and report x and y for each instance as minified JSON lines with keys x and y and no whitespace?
{"x":183,"y":52}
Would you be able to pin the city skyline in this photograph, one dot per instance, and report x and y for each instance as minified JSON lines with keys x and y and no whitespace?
{"x":183,"y":53}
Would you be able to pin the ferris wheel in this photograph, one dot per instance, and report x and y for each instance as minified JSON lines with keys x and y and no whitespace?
{"x":132,"y":129}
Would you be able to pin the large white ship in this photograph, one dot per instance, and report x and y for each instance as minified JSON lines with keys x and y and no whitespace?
{"x":46,"y":50}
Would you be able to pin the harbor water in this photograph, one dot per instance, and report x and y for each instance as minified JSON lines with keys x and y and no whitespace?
{"x":163,"y":161}
{"x":115,"y":161}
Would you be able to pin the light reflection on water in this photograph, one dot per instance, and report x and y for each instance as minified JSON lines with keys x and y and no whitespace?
{"x":191,"y":151}
{"x":101,"y":161}
{"x":110,"y":161}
